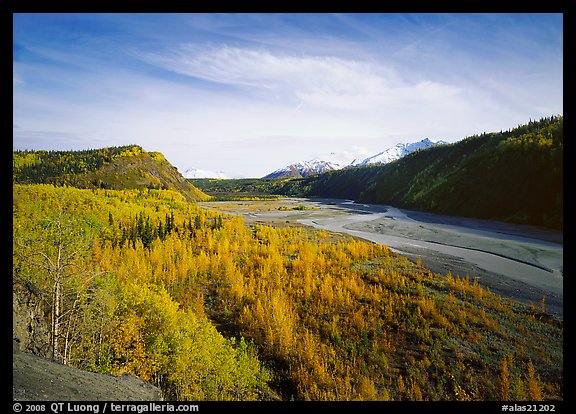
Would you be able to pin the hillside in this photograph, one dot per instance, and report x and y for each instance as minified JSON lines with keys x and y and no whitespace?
{"x":39,"y":379}
{"x":514,"y":176}
{"x":126,"y":167}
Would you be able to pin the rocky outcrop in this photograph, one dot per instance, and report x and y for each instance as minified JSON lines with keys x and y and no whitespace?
{"x":30,"y":331}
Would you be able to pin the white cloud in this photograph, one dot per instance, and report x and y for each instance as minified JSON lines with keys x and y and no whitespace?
{"x":318,"y":81}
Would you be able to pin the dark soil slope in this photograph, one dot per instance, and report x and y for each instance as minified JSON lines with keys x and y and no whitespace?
{"x":40,"y":379}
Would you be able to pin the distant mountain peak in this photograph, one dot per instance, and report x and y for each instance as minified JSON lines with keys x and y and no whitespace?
{"x":398,"y":151}
{"x":199,"y":173}
{"x":318,"y":166}
{"x":304,"y":169}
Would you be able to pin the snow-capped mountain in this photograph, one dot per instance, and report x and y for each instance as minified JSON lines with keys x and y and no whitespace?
{"x":316,"y":166}
{"x":345,"y":158}
{"x":198,"y":173}
{"x":398,"y":151}
{"x":304,"y":169}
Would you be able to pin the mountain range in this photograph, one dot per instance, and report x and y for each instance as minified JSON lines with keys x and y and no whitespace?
{"x":316,"y":166}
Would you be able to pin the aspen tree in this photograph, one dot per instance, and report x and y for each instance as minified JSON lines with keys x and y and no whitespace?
{"x":504,"y":380}
{"x":56,"y":251}
{"x":534,"y":390}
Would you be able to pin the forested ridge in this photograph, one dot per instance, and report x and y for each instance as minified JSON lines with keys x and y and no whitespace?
{"x":122,"y":167}
{"x":141,"y":281}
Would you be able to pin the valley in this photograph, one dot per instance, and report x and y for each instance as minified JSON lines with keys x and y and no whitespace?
{"x":288,"y":208}
{"x":521,"y":262}
{"x":438,"y":276}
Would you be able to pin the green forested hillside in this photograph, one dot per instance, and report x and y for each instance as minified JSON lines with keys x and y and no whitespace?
{"x":113,"y":168}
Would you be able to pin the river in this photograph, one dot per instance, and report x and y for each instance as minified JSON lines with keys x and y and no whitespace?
{"x":521,"y":261}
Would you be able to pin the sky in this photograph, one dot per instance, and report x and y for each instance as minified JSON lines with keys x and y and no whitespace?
{"x":246,"y":94}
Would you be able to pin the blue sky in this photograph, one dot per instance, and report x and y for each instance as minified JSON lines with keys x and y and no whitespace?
{"x":249,"y":93}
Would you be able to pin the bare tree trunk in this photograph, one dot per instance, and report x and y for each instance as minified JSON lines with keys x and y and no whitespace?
{"x":69,"y":331}
{"x":55,"y":252}
{"x":56,"y":310}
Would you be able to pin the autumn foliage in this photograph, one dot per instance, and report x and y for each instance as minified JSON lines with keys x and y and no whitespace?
{"x":208,"y":308}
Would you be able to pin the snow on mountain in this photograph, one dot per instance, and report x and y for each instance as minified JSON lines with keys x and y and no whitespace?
{"x":346,"y":158}
{"x":356,"y":158}
{"x":198,"y":173}
{"x":398,"y":151}
{"x":304,"y":169}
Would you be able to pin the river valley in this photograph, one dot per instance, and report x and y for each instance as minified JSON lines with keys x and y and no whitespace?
{"x":521,"y":262}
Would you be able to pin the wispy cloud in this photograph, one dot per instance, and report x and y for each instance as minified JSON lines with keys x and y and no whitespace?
{"x":316,"y":80}
{"x":214,"y":90}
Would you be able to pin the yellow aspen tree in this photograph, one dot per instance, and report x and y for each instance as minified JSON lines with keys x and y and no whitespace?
{"x":366,"y":389}
{"x":504,"y":380}
{"x":533,"y":383}
{"x":477,"y":290}
{"x":518,"y":390}
{"x":415,"y":391}
{"x":400,"y":386}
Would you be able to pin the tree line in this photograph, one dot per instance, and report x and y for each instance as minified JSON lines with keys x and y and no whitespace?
{"x":40,"y":166}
